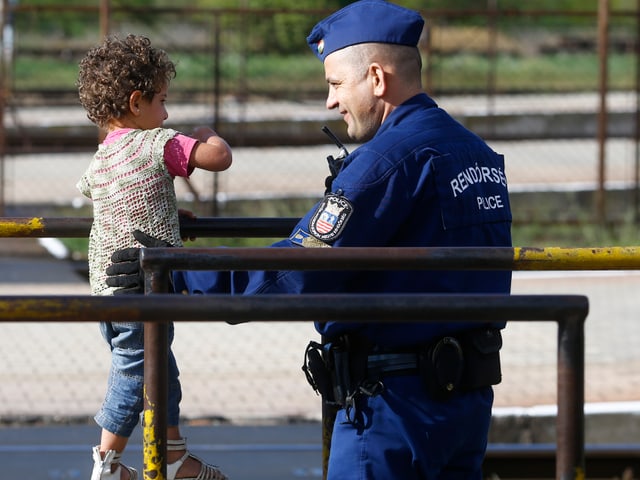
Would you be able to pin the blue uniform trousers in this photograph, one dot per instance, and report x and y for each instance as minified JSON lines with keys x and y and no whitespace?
{"x":405,"y":434}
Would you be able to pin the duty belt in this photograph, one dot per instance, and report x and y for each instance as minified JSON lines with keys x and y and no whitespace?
{"x":392,"y":364}
{"x":349,"y":366}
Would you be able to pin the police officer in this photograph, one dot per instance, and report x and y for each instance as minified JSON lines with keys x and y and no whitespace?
{"x":417,"y":399}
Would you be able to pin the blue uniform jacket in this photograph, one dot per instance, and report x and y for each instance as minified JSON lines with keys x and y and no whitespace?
{"x":423,"y":180}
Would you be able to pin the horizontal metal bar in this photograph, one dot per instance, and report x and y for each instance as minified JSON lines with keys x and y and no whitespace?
{"x":506,"y":258}
{"x":259,"y":227}
{"x":256,"y":227}
{"x":320,"y":307}
{"x":38,"y":227}
{"x":393,"y":258}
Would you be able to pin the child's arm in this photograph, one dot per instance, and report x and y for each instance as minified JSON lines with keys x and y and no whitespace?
{"x":211,"y":152}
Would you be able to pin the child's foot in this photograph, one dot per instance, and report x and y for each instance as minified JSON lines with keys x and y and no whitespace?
{"x":107,"y":466}
{"x":188,"y":466}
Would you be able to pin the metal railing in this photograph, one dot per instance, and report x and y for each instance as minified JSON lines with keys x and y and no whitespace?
{"x":158,"y":309}
{"x":516,"y":258}
{"x":569,"y":311}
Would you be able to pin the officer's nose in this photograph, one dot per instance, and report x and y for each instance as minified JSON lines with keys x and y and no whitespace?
{"x":331,"y":102}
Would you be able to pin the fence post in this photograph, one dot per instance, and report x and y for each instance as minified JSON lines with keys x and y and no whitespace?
{"x":156,"y":360}
{"x":570,"y":463}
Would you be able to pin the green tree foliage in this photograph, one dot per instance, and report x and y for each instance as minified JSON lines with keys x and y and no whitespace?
{"x":56,"y":17}
{"x":283,"y":32}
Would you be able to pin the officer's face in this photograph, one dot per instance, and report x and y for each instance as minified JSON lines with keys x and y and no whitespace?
{"x":351,"y":92}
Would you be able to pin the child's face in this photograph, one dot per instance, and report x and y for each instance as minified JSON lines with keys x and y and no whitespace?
{"x":153,"y":113}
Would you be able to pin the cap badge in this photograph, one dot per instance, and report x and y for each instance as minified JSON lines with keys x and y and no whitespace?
{"x":321,"y":46}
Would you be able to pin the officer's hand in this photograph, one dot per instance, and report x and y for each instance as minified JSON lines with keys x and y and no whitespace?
{"x":327,"y":184}
{"x":186,"y":215}
{"x":125,"y":272}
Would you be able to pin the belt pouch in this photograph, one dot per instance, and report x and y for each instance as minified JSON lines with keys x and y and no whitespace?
{"x":482,"y":358}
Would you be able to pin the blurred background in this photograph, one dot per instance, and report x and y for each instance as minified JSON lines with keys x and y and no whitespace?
{"x":554,"y":85}
{"x":551,"y":84}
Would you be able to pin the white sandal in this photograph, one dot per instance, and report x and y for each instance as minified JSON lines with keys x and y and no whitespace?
{"x":207,"y":472}
{"x":102,"y":466}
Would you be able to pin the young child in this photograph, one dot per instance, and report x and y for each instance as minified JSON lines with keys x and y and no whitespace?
{"x":123,"y":86}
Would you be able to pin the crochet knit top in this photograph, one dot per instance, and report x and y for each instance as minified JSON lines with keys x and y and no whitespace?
{"x":131,"y":189}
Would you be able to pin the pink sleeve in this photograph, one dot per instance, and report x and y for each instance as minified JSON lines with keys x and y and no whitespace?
{"x":176,"y":155}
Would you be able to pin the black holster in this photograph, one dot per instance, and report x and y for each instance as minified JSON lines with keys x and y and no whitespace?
{"x":335,"y":370}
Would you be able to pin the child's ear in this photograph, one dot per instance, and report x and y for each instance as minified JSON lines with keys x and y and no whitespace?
{"x":134,"y":102}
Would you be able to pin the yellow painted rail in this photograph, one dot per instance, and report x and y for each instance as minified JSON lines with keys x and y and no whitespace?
{"x":517,"y":258}
{"x":581,"y":258}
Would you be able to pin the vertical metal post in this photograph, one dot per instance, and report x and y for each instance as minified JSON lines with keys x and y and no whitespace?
{"x":6,"y":56}
{"x":636,"y":189}
{"x":156,"y":367}
{"x":217,"y":61}
{"x":570,"y":462}
{"x":603,"y":48}
{"x":328,"y":418}
{"x":105,"y":18}
{"x":492,"y":58}
{"x":329,"y":413}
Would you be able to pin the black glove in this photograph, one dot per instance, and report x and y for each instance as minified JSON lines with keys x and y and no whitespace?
{"x":125,"y":272}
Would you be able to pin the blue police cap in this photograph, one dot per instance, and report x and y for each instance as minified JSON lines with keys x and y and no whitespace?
{"x":365,"y":21}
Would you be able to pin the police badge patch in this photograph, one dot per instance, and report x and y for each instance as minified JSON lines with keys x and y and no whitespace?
{"x":330,"y":217}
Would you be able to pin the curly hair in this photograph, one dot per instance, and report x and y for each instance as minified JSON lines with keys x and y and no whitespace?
{"x":112,"y":71}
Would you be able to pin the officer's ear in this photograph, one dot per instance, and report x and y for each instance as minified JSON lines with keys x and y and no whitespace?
{"x":377,"y":77}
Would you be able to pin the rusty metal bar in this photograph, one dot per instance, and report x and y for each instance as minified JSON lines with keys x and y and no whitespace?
{"x":603,"y":72}
{"x":570,"y":461}
{"x":38,"y":227}
{"x":158,"y":261}
{"x":77,"y":227}
{"x":154,"y":414}
{"x":105,"y":18}
{"x":159,"y":308}
{"x":5,"y":64}
{"x":427,"y":12}
{"x":570,"y":418}
{"x":156,"y":368}
{"x":516,"y":258}
{"x":285,"y":307}
{"x":395,"y":258}
{"x":636,"y":133}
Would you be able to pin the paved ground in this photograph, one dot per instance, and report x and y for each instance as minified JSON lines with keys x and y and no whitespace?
{"x":60,"y":369}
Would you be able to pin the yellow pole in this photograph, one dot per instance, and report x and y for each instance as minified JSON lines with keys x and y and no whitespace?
{"x":583,"y":258}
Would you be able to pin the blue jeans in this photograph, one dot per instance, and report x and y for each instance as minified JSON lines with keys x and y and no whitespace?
{"x":123,"y":403}
{"x":404,"y":433}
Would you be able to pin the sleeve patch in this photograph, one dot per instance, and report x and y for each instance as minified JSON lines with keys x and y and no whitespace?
{"x":329,"y":220}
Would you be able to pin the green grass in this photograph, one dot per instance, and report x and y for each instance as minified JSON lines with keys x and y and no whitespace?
{"x":541,"y":73}
{"x":290,"y":75}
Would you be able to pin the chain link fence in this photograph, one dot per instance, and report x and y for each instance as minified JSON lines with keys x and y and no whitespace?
{"x":528,"y":81}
